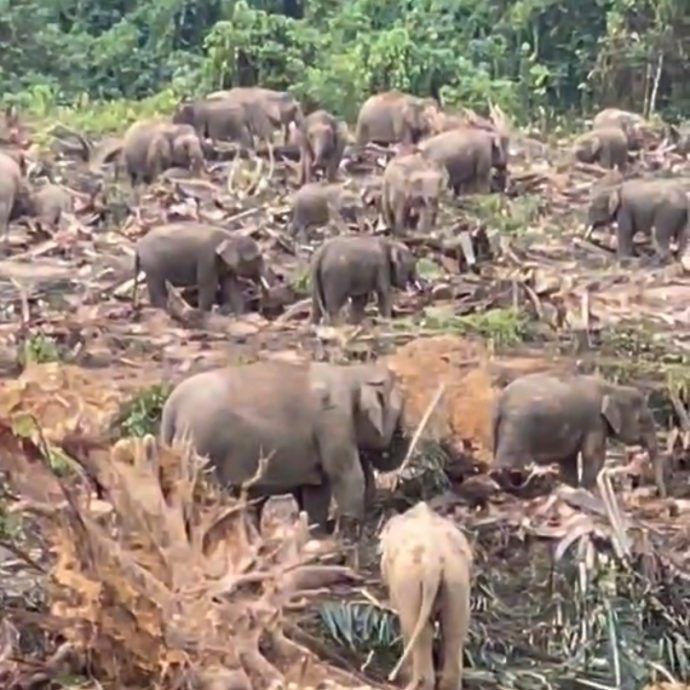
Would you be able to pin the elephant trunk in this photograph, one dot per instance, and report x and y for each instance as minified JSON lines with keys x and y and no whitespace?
{"x":649,"y":443}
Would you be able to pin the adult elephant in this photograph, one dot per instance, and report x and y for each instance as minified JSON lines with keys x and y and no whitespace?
{"x":310,"y":422}
{"x":394,"y":116}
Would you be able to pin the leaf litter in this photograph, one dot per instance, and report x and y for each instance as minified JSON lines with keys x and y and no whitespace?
{"x":159,"y":580}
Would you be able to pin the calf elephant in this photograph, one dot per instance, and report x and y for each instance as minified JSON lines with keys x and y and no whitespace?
{"x":412,"y":184}
{"x":607,"y":146}
{"x":310,"y":422}
{"x":351,"y":267}
{"x":322,"y":141}
{"x":188,"y":254}
{"x":393,"y":117}
{"x":549,"y":419}
{"x":469,"y":155}
{"x":634,"y":125}
{"x":642,"y":206}
{"x":46,"y":204}
{"x":12,"y":186}
{"x":317,"y":203}
{"x":426,"y":564}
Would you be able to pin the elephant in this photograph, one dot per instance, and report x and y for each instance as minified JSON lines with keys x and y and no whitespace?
{"x":634,"y":125}
{"x":226,"y":119}
{"x":395,"y":117}
{"x":191,"y":254}
{"x":322,"y":141}
{"x":12,"y":186}
{"x":280,"y":107}
{"x":607,"y":146}
{"x":47,"y":204}
{"x":547,"y":419}
{"x":469,"y":154}
{"x":412,"y":184}
{"x":316,"y":203}
{"x":640,"y":206}
{"x":151,"y":146}
{"x":681,"y":138}
{"x":426,"y":564}
{"x":310,"y":422}
{"x":354,"y":266}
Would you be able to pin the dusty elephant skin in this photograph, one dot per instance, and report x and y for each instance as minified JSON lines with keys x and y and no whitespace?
{"x":193,"y":254}
{"x":46,"y":204}
{"x":469,"y":154}
{"x":322,"y":141}
{"x":316,"y":203}
{"x":657,"y":206}
{"x":634,"y":125}
{"x":309,"y":421}
{"x":395,"y":117}
{"x":426,"y":563}
{"x":11,"y":187}
{"x":547,"y":419}
{"x":412,"y":184}
{"x":352,"y":267}
{"x":607,"y":146}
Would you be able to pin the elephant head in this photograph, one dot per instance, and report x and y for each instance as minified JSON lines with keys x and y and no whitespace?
{"x":418,"y":117}
{"x":187,"y":152}
{"x":24,"y":201}
{"x":403,"y":264}
{"x":351,"y":206}
{"x":603,"y":206}
{"x":186,"y":114}
{"x":424,"y":189}
{"x":242,"y":257}
{"x":322,"y":142}
{"x":159,"y":155}
{"x":587,"y":147}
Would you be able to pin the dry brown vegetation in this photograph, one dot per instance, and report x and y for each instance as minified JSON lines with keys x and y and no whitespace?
{"x":161,"y":582}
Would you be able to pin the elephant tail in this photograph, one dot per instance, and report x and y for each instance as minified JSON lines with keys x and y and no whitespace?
{"x":318,"y":299}
{"x":430,"y":584}
{"x":137,"y":268}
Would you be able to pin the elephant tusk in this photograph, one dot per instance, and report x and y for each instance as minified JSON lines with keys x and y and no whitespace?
{"x":588,"y":232}
{"x":264,"y":283}
{"x":231,"y":174}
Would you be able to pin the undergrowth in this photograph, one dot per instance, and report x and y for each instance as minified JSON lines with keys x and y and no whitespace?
{"x":39,"y":349}
{"x":141,"y":415}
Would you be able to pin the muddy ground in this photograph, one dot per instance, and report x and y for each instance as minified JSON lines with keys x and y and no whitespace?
{"x":551,"y":603}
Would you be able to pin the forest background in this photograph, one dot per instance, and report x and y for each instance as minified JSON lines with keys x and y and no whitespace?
{"x":543,"y":61}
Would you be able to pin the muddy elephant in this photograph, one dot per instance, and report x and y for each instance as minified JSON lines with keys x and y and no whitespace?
{"x":680,"y":135}
{"x":351,"y":267}
{"x":317,"y":203}
{"x":547,"y":419}
{"x":12,"y":186}
{"x":310,"y":422}
{"x":151,"y":146}
{"x":393,"y":116}
{"x":226,"y":119}
{"x":645,"y":205}
{"x":412,"y":186}
{"x":426,"y":565}
{"x":470,"y":155}
{"x":322,"y":141}
{"x":607,"y":146}
{"x":280,"y":107}
{"x":190,"y":254}
{"x":46,"y":204}
{"x":634,"y":125}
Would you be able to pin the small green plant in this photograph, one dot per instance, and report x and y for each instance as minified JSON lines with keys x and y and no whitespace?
{"x":360,"y":626}
{"x":428,"y":269}
{"x":39,"y":349}
{"x":141,"y":415}
{"x":301,"y":283}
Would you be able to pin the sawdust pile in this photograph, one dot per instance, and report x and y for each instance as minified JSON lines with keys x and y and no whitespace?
{"x":165,"y":584}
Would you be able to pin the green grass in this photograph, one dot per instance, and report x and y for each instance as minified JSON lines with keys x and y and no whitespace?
{"x":39,"y":349}
{"x":142,"y":414}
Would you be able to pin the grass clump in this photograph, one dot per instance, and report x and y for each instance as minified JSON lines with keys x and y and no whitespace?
{"x":142,"y":414}
{"x":39,"y":349}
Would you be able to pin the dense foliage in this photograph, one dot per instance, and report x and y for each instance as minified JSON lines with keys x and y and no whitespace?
{"x":534,"y":57}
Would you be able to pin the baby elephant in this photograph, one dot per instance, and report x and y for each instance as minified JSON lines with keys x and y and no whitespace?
{"x":189,"y":254}
{"x":426,"y":563}
{"x":547,"y":419}
{"x":607,"y":146}
{"x":354,"y":266}
{"x":640,"y":206}
{"x":317,"y":203}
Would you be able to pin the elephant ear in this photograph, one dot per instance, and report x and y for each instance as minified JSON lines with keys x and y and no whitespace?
{"x":612,"y":413}
{"x":228,"y":253}
{"x":371,"y":405}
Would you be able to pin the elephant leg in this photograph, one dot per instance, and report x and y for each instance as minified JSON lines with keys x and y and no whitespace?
{"x":625,"y":230}
{"x":406,"y":594}
{"x":383,"y":296}
{"x":315,"y":500}
{"x":358,"y":305}
{"x":593,"y":458}
{"x":369,"y":485}
{"x":399,"y":216}
{"x":568,"y":467}
{"x":232,"y":294}
{"x":455,"y":618}
{"x":606,"y":158}
{"x":158,"y":294}
{"x":682,"y":241}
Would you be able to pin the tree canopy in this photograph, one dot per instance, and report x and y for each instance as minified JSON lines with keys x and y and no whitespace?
{"x":535,"y":58}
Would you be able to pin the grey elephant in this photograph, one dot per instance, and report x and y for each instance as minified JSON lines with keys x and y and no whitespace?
{"x":309,"y":422}
{"x":634,"y":125}
{"x":352,"y":267}
{"x":190,"y":254}
{"x":151,"y":146}
{"x":46,"y":204}
{"x":550,"y":419}
{"x":317,"y":203}
{"x":395,"y":117}
{"x":469,"y":155}
{"x":680,"y":136}
{"x":607,"y":146}
{"x":412,"y":185}
{"x":226,"y":119}
{"x":11,"y":187}
{"x":657,"y":206}
{"x":322,"y":141}
{"x":280,"y":107}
